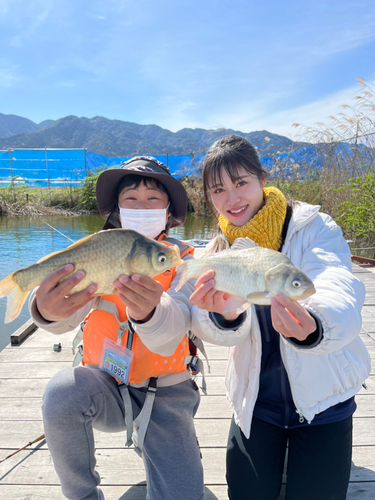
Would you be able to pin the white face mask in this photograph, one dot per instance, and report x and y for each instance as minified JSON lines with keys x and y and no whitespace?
{"x":149,"y":222}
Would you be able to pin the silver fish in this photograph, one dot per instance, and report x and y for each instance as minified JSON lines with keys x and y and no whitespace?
{"x":250,"y":275}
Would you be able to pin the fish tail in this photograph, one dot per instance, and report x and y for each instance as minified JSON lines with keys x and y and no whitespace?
{"x":16,"y":297}
{"x":183,"y":272}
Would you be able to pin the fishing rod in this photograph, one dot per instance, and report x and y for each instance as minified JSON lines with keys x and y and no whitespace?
{"x":62,"y":234}
{"x":28,"y":444}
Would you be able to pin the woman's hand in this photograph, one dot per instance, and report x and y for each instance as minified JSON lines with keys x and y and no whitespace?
{"x":206,"y":297}
{"x":52,"y":297}
{"x":291,"y":319}
{"x":140,"y":294}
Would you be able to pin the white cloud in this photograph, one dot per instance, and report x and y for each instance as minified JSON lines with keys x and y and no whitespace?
{"x":256,"y":115}
{"x":282,"y":121}
{"x":8,"y":74}
{"x":25,"y":18}
{"x":4,"y":7}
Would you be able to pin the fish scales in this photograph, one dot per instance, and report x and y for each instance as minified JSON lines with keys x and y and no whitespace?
{"x":253,"y":274}
{"x":104,"y":256}
{"x":101,"y":257}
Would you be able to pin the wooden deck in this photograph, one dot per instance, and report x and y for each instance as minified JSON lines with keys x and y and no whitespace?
{"x":30,"y":475}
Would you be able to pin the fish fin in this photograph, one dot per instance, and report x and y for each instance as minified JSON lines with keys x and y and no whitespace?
{"x":70,"y":247}
{"x":16,"y":297}
{"x":260,"y":298}
{"x":176,"y":258}
{"x":182,"y":272}
{"x":277,"y":274}
{"x":218,"y":244}
{"x":243,"y":244}
{"x":243,"y":308}
{"x":235,"y":304}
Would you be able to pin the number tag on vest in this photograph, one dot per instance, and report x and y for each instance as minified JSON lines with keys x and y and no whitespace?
{"x":116,"y":360}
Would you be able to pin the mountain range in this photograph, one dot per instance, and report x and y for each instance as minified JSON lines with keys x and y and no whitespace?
{"x":121,"y":139}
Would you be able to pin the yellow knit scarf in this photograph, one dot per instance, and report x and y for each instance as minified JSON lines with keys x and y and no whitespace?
{"x":265,"y":227}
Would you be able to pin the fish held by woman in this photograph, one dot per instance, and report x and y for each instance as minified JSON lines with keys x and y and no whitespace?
{"x":104,"y":256}
{"x":250,"y":274}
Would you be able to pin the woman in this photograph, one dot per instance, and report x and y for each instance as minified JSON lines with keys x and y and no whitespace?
{"x":147,"y":317}
{"x":294,"y":367}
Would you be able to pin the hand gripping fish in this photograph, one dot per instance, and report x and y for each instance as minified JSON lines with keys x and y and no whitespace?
{"x":104,"y":256}
{"x":250,"y":275}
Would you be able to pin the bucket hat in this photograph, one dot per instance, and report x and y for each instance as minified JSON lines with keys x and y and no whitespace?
{"x":148,"y":166}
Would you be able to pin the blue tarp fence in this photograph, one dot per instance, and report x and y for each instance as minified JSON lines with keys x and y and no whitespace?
{"x":59,"y":167}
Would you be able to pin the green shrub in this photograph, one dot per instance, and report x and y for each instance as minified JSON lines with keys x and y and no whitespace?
{"x":87,"y":190}
{"x":357,"y":212}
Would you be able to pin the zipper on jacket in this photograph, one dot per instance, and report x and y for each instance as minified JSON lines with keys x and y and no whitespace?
{"x":301,"y":415}
{"x":283,"y":393}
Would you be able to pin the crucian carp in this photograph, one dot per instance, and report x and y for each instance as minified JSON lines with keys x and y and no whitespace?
{"x":251,"y":275}
{"x":104,"y":256}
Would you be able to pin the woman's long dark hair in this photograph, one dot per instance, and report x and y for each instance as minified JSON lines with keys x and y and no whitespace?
{"x":229,"y":154}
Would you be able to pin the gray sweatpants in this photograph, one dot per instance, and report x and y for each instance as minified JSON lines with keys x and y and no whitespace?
{"x":76,"y":400}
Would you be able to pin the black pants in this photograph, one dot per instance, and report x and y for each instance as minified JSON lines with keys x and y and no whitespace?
{"x":318,"y":464}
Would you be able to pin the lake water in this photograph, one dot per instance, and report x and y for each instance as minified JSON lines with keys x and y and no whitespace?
{"x":24,"y":240}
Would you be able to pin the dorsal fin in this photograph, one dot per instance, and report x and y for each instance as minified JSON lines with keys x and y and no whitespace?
{"x":70,"y":247}
{"x":243,"y":244}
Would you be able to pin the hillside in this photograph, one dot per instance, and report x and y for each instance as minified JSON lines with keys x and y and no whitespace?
{"x":119,"y":138}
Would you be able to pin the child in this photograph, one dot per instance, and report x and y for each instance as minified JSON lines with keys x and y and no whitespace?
{"x":152,"y":320}
{"x":294,"y":367}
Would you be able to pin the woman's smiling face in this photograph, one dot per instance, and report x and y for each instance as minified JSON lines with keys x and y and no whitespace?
{"x":238,"y":200}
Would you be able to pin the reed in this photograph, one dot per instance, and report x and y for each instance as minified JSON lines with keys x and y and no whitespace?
{"x":344,"y":149}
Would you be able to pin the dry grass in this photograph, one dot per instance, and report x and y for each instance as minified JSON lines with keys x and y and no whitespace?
{"x":19,"y":209}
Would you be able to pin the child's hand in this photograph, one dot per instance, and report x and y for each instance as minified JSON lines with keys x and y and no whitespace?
{"x":140,"y":294}
{"x":52,"y":297}
{"x":206,"y":297}
{"x":291,"y":319}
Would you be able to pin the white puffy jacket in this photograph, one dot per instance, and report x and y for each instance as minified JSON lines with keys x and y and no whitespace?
{"x":321,"y":376}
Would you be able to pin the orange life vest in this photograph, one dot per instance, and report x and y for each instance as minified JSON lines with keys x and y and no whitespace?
{"x":146,"y":364}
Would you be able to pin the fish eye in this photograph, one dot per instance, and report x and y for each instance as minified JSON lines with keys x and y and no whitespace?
{"x":162,"y":257}
{"x":296,"y":283}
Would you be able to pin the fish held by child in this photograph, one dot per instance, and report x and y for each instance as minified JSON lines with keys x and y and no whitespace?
{"x":104,"y":256}
{"x":250,"y":274}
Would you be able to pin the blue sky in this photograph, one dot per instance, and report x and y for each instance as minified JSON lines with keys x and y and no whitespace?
{"x":184,"y":63}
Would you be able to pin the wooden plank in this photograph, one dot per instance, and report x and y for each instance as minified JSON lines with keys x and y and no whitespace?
{"x":125,"y":467}
{"x":31,"y":370}
{"x":367,"y":339}
{"x":19,"y":335}
{"x":36,"y":355}
{"x":356,"y":491}
{"x":42,"y":338}
{"x":211,"y":433}
{"x":46,"y":369}
{"x":16,"y":434}
{"x":136,"y":492}
{"x":28,"y":388}
{"x":210,"y":407}
{"x":46,"y":354}
{"x":361,"y":491}
{"x":34,"y":387}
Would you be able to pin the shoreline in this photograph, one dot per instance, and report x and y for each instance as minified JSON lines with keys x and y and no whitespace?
{"x":19,"y":209}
